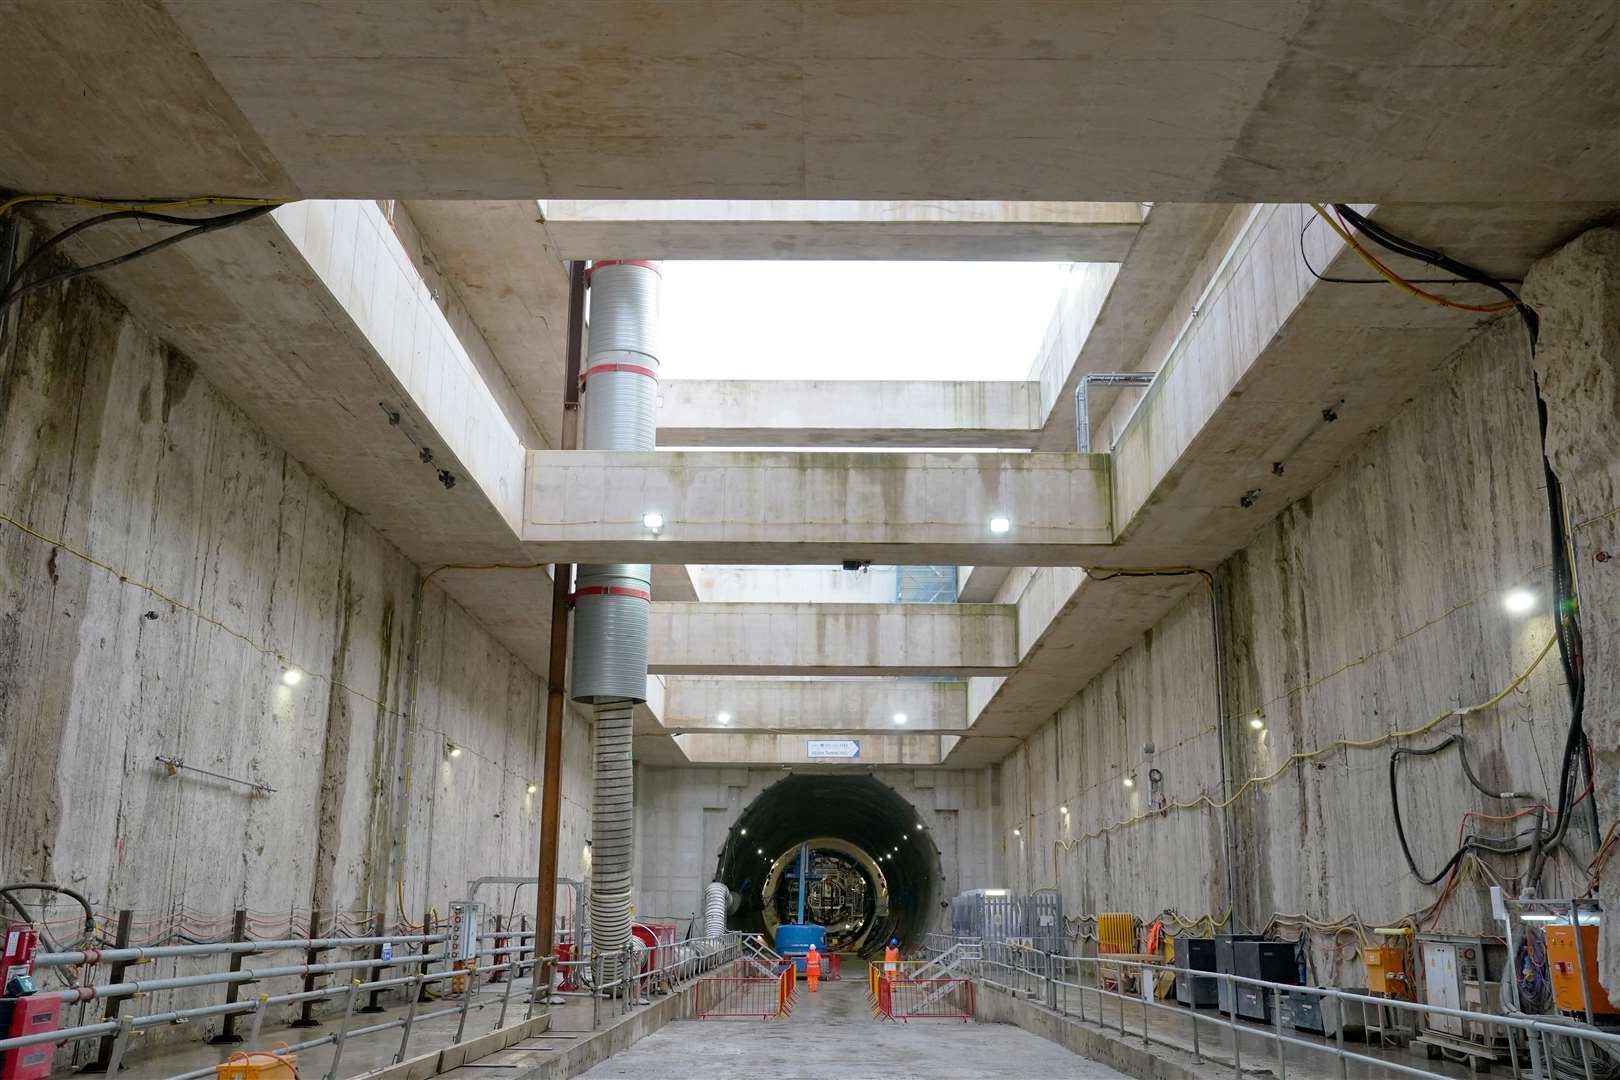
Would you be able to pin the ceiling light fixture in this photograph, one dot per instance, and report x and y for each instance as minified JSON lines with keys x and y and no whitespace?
{"x":652,"y":521}
{"x":1257,"y":723}
{"x":900,"y":718}
{"x":722,"y":718}
{"x":1018,"y":832}
{"x":452,"y":750}
{"x":292,"y":676}
{"x":1000,"y":525}
{"x":533,"y":787}
{"x":1129,"y":782}
{"x":1064,"y":810}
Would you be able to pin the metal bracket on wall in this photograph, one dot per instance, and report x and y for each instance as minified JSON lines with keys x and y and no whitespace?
{"x":173,"y":765}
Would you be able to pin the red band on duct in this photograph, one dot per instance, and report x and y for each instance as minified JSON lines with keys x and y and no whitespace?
{"x":646,"y":264}
{"x":603,"y":369}
{"x":608,"y":590}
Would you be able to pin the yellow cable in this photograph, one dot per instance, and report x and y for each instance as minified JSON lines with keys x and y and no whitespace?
{"x":1395,"y":279}
{"x":1310,"y":755}
{"x":113,"y":204}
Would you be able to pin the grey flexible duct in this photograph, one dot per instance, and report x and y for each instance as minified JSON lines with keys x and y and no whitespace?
{"x":612,"y":601}
{"x":716,"y":901}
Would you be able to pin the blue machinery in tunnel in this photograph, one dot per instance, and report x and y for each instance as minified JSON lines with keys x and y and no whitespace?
{"x":793,"y":940}
{"x":874,"y":871}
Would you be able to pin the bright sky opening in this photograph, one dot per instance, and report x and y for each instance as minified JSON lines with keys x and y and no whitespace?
{"x":855,"y":320}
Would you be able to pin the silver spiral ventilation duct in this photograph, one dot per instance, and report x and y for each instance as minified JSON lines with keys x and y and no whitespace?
{"x":612,"y":601}
{"x":716,"y":902}
{"x":613,"y":833}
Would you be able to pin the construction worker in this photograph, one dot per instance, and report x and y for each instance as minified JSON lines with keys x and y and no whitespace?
{"x":891,"y":958}
{"x":812,"y":968}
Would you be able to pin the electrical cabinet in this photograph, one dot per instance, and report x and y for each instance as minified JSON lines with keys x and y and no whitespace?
{"x":1386,"y":971}
{"x":1574,"y":965}
{"x":1226,"y":964}
{"x":1195,"y":954}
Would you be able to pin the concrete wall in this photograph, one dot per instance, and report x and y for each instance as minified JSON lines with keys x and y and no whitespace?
{"x":684,"y":815}
{"x":1372,"y":605}
{"x":182,"y":562}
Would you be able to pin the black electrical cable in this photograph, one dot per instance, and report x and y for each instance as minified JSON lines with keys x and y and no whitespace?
{"x":1306,"y":259}
{"x":1515,"y":845}
{"x":1566,"y":608}
{"x":14,"y":292}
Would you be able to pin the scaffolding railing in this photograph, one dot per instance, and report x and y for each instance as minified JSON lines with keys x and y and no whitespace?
{"x":1093,"y":990}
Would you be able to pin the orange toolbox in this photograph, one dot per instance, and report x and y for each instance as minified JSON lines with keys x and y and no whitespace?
{"x":258,"y":1065}
{"x":1565,"y":961}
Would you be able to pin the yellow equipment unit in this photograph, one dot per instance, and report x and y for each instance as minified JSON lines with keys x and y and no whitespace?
{"x":1116,"y":932}
{"x":1386,"y":971}
{"x":1570,"y":965}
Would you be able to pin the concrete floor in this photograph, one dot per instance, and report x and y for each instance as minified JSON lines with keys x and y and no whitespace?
{"x":832,"y":1034}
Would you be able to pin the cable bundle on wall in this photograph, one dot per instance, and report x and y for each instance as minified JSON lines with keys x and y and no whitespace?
{"x":14,"y":285}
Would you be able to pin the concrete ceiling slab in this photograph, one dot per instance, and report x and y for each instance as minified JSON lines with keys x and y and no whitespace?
{"x":1248,"y":100}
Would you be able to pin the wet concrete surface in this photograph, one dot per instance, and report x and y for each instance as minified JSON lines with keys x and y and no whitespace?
{"x":831,"y":1034}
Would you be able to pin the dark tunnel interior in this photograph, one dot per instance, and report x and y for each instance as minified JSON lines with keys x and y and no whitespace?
{"x":875,"y":872}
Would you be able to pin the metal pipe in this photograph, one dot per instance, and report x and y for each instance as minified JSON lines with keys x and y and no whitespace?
{"x":562,"y":583}
{"x":1082,"y":406}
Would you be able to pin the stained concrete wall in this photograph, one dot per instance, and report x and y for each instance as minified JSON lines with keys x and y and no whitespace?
{"x":1374,"y":604}
{"x":683,"y":817}
{"x":163,"y":563}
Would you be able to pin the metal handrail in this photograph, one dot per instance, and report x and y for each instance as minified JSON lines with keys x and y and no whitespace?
{"x":1029,"y":972}
{"x":700,"y":956}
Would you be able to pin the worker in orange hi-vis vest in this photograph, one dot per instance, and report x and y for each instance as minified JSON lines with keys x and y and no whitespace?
{"x":891,"y":958}
{"x":812,"y":968}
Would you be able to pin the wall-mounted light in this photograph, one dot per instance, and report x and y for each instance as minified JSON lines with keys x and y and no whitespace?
{"x":1018,"y":832}
{"x":452,"y":750}
{"x":759,"y":851}
{"x":1257,"y":723}
{"x":1519,"y":601}
{"x":919,"y":826}
{"x":652,"y":521}
{"x":743,"y":831}
{"x":533,"y":787}
{"x":1129,"y":782}
{"x":722,"y":718}
{"x":1064,"y":810}
{"x":900,"y":718}
{"x":999,"y":525}
{"x":292,"y":676}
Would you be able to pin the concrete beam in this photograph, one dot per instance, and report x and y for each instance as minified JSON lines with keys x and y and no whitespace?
{"x":805,"y":229}
{"x":1242,"y":390}
{"x":1157,"y":100}
{"x":793,"y":706}
{"x":753,"y":748}
{"x":876,"y":413}
{"x":832,"y":639}
{"x":920,"y":509}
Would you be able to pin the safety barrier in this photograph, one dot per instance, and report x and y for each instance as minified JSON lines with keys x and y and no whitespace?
{"x":1541,"y":1047}
{"x":119,"y":1029}
{"x":507,"y":959}
{"x":766,"y":997}
{"x":902,"y":999}
{"x":876,"y":969}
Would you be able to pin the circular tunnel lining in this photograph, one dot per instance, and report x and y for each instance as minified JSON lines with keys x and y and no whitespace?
{"x":874,"y":872}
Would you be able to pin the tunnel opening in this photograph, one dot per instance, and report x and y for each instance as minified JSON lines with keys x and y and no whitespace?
{"x":874,"y":868}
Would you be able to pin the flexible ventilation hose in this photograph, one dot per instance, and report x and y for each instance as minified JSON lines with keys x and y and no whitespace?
{"x":716,"y":899}
{"x":613,"y":833}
